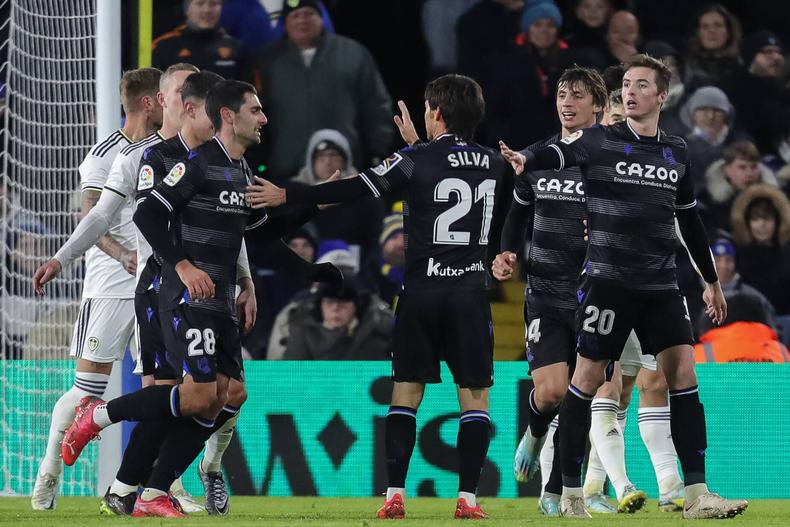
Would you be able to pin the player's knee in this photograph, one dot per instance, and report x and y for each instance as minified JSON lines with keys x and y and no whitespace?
{"x":549,"y":395}
{"x":609,"y":390}
{"x":654,"y":388}
{"x":237,"y":394}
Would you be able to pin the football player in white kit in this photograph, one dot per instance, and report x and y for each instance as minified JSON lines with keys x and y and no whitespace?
{"x":105,"y":324}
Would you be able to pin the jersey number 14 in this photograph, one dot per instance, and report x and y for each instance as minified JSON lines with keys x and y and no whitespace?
{"x":441,"y":227}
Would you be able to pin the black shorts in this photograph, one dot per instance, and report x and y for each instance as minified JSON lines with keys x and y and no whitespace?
{"x":454,"y":326}
{"x":150,"y":343}
{"x":550,"y":335}
{"x":608,"y":313}
{"x":202,"y":344}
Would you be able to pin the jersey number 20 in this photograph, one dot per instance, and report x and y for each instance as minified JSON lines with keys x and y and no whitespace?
{"x":441,"y":194}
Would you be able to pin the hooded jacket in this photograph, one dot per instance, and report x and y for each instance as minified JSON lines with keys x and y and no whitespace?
{"x":765,"y":267}
{"x":356,"y":223}
{"x":722,"y":194}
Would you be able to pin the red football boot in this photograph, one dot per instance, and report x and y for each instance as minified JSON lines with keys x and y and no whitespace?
{"x":161,"y":506}
{"x":81,"y":432}
{"x":392,"y":509}
{"x":464,"y":512}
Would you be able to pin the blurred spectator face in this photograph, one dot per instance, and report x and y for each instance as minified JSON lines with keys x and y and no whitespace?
{"x":543,"y":33}
{"x":204,"y":14}
{"x":614,"y":114}
{"x":712,"y":31}
{"x":593,"y":13}
{"x":640,"y":92}
{"x":303,"y":26}
{"x":762,"y":225}
{"x":511,"y":5}
{"x":170,"y":96}
{"x":337,"y":313}
{"x":725,"y":267}
{"x":27,"y":254}
{"x":623,"y":29}
{"x":769,"y":62}
{"x":303,"y":248}
{"x":575,"y":107}
{"x":394,"y":250}
{"x":326,"y":163}
{"x":742,"y":173}
{"x":710,"y":120}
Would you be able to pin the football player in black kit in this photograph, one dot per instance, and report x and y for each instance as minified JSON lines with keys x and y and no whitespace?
{"x":636,"y":184}
{"x":203,"y":195}
{"x":456,"y":198}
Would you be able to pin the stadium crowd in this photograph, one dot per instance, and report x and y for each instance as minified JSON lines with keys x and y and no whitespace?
{"x":330,"y":101}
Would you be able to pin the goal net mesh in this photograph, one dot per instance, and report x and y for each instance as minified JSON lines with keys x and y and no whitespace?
{"x":48,"y":125}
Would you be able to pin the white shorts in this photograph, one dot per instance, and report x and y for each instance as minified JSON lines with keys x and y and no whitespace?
{"x":632,"y":358}
{"x":104,"y":328}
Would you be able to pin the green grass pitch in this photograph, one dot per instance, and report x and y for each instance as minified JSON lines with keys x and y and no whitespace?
{"x":331,"y":512}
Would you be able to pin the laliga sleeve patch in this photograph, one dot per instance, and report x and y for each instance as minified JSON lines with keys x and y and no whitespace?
{"x":573,"y":137}
{"x":145,"y":179}
{"x":387,"y":164}
{"x":175,"y":174}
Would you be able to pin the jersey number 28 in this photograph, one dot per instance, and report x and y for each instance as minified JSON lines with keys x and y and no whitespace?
{"x":441,"y":227}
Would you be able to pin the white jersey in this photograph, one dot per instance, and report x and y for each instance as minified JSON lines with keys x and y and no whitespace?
{"x":105,"y":277}
{"x":123,"y":181}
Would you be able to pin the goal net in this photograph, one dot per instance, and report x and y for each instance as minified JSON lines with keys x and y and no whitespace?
{"x":48,"y":73}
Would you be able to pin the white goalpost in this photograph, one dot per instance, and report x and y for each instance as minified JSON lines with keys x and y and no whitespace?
{"x":60,"y":70}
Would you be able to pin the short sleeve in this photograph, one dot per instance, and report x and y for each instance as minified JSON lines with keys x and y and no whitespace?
{"x":183,"y":181}
{"x":93,"y":172}
{"x":685,"y":198}
{"x":150,"y":171}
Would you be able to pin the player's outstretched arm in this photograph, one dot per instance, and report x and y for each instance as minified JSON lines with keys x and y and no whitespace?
{"x":90,"y":229}
{"x":266,"y":194}
{"x":517,"y":160}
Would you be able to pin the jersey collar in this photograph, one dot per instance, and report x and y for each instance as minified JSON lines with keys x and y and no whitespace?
{"x":639,"y":137}
{"x":120,"y":131}
{"x":183,"y":143}
{"x":219,"y":142}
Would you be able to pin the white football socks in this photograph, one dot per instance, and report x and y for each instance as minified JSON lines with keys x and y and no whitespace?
{"x":85,"y":384}
{"x":470,"y":498}
{"x":547,"y":455}
{"x":391,"y":491}
{"x":217,"y":444}
{"x":122,"y":489}
{"x":595,"y":476}
{"x":656,"y":432}
{"x":607,"y":437}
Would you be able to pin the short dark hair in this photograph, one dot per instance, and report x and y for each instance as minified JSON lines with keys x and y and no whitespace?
{"x":643,"y":60}
{"x":616,"y":97}
{"x":590,"y":80}
{"x":743,"y":149}
{"x":197,"y":85}
{"x":226,"y":94}
{"x":138,"y":83}
{"x":460,"y":99}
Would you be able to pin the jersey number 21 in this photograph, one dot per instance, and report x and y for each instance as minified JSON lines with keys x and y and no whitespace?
{"x":442,"y":234}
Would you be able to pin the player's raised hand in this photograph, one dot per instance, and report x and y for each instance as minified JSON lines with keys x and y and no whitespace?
{"x":197,"y":282}
{"x":44,"y":274}
{"x":515,"y":159}
{"x":246,"y":305}
{"x":502,"y":266}
{"x":405,"y":125}
{"x":265,"y":194}
{"x":715,"y":303}
{"x":129,"y":261}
